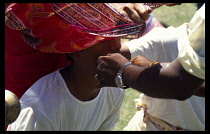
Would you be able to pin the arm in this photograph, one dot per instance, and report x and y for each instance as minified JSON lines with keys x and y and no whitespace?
{"x":169,"y":80}
{"x":125,"y":51}
{"x":154,"y":46}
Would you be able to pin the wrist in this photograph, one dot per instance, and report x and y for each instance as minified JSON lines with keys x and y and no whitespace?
{"x":119,"y":77}
{"x":131,"y":74}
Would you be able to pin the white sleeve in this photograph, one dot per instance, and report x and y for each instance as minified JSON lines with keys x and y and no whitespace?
{"x":30,"y":120}
{"x":192,"y":45}
{"x":160,"y":44}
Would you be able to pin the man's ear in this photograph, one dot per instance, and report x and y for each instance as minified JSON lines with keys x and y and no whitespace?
{"x":75,"y":55}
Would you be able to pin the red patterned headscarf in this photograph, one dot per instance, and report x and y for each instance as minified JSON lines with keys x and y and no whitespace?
{"x":67,"y":27}
{"x":38,"y":34}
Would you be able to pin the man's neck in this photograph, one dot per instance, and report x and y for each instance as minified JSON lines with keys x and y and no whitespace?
{"x":80,"y":83}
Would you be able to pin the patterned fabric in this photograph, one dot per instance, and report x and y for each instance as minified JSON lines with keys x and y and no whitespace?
{"x":44,"y":31}
{"x":96,"y":18}
{"x":69,"y":27}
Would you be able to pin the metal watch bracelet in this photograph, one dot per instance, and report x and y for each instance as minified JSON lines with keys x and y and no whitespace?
{"x":119,"y":79}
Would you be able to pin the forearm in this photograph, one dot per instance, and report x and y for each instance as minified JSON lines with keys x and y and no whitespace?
{"x":162,"y":81}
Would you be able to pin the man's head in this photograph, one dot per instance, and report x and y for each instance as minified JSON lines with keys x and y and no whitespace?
{"x":79,"y":29}
{"x":45,"y":30}
{"x":88,"y":58}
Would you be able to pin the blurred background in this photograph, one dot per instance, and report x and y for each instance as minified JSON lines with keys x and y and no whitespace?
{"x":167,"y":16}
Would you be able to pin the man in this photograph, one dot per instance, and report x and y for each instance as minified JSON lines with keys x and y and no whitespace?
{"x":67,"y":99}
{"x":186,"y":72}
{"x":154,"y":114}
{"x":21,"y":68}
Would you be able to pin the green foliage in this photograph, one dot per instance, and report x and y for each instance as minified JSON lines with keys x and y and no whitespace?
{"x":169,"y":16}
{"x":176,"y":15}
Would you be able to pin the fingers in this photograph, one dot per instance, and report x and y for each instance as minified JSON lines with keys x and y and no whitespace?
{"x":143,"y":10}
{"x":141,"y":61}
{"x":132,"y":60}
{"x":107,"y":69}
{"x":137,"y":12}
{"x":104,"y":74}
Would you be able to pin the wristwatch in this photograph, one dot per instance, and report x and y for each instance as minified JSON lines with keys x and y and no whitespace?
{"x":119,"y":79}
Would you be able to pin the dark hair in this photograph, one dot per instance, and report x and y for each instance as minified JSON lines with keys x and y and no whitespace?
{"x":69,"y":58}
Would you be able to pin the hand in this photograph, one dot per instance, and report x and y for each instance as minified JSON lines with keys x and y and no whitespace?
{"x":137,"y":12}
{"x":107,"y":69}
{"x":141,"y":61}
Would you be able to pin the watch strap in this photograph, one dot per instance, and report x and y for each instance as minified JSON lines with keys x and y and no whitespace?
{"x":120,"y":74}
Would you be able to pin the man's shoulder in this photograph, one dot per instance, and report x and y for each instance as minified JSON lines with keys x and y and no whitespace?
{"x":46,"y":85}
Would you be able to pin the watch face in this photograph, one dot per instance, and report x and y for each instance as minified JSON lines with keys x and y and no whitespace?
{"x":119,"y":81}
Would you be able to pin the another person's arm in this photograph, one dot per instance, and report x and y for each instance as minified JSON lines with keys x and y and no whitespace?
{"x":169,"y":79}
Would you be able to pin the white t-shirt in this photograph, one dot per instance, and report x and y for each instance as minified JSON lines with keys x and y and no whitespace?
{"x":49,"y":105}
{"x":157,"y":45}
